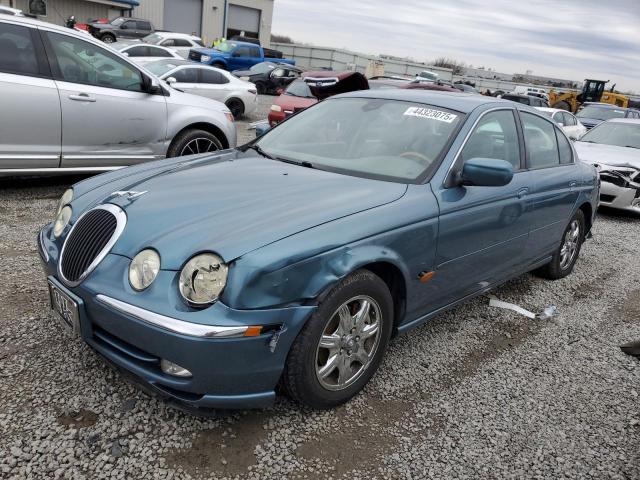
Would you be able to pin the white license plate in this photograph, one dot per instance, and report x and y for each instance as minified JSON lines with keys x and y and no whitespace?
{"x":66,"y":309}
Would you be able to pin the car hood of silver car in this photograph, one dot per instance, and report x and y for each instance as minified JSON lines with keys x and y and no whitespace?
{"x":600,"y":154}
{"x":230,"y":203}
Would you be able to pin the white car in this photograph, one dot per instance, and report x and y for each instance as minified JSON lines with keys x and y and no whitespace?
{"x":4,"y":10}
{"x":239,"y":96}
{"x":142,"y":53}
{"x":565,"y":120}
{"x":178,"y":42}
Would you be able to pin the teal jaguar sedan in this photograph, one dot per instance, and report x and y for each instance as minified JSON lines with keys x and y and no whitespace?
{"x":293,"y":260}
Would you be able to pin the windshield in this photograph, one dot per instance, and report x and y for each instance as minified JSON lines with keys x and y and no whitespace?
{"x":613,"y":133}
{"x":226,"y":47}
{"x":600,"y":113}
{"x":263,"y":67}
{"x":153,"y":39}
{"x":160,"y":68}
{"x":387,"y":139}
{"x":299,"y":89}
{"x":117,"y":21}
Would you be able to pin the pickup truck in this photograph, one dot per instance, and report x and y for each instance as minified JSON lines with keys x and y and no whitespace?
{"x":235,"y":56}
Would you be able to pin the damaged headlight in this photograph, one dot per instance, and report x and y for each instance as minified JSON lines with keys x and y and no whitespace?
{"x":202,"y":279}
{"x":66,"y":199}
{"x":62,"y":220}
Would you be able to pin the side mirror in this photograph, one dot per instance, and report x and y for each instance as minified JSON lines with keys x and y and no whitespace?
{"x":486,"y":172}
{"x":152,"y":85}
{"x":171,"y":80}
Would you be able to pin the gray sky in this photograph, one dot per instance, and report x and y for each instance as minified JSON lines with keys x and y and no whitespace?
{"x":572,"y":39}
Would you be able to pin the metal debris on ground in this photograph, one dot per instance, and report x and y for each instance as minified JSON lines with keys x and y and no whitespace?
{"x":549,"y":312}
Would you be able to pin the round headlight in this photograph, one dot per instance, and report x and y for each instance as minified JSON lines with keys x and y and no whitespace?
{"x":66,"y":198}
{"x":62,"y":220}
{"x":144,"y":269}
{"x":203,"y":278}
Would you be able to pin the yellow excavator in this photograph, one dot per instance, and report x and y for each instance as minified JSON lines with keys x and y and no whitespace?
{"x":592,"y":91}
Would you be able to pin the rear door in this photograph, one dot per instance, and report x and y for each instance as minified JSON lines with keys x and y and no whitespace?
{"x":180,"y":45}
{"x":128,"y":29}
{"x":107,"y":118}
{"x":483,"y":231}
{"x":30,"y":125}
{"x":143,"y":28}
{"x":213,"y":84}
{"x":555,"y":182}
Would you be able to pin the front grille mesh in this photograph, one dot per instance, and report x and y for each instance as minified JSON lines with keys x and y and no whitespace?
{"x":85,"y":242}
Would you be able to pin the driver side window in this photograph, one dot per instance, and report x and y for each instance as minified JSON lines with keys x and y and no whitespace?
{"x":495,"y":136}
{"x":77,"y":61}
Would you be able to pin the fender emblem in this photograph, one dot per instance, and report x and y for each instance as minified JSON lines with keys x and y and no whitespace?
{"x":128,"y":194}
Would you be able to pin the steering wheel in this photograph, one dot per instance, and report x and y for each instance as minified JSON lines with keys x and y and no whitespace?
{"x":417,"y":155}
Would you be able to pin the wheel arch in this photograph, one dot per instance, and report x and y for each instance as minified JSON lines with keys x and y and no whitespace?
{"x":207,"y":127}
{"x":587,"y":210}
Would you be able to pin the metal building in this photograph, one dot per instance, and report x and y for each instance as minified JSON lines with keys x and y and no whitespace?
{"x":210,"y":19}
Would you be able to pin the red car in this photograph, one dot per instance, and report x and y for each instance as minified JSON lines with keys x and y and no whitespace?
{"x":311,"y":88}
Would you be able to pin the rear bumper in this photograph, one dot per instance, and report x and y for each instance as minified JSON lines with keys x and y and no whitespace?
{"x":227,"y":371}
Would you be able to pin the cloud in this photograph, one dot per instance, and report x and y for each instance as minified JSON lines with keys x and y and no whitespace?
{"x":574,"y":39}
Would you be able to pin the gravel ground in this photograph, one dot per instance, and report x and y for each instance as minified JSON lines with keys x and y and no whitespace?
{"x":477,"y":392}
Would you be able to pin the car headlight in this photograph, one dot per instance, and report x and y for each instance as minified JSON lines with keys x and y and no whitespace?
{"x":62,"y":220}
{"x":203,"y":278}
{"x":205,"y":58}
{"x":144,"y":269}
{"x":66,"y":198}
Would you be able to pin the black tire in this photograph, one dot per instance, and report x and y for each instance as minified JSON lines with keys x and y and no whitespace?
{"x":555,"y":269}
{"x":301,"y":374}
{"x":108,"y":38}
{"x":236,"y":106}
{"x":562,"y":105}
{"x":219,"y":65}
{"x":186,"y":137}
{"x":261,"y":88}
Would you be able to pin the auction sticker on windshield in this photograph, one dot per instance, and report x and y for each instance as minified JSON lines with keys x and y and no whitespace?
{"x":423,"y":112}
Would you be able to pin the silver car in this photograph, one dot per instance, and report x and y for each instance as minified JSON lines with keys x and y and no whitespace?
{"x":71,"y":104}
{"x":614,"y":148}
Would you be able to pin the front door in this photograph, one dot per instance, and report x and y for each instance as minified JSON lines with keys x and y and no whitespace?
{"x":107,"y":118}
{"x":483,"y":231}
{"x":30,"y":117}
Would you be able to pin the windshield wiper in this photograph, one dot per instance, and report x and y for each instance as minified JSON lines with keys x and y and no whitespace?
{"x":258,"y":149}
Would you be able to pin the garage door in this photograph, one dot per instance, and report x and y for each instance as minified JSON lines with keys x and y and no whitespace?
{"x":243,"y":19}
{"x":183,"y":16}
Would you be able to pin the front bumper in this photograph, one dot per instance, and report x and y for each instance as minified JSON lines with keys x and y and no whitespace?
{"x":619,"y":197}
{"x":227,"y":371}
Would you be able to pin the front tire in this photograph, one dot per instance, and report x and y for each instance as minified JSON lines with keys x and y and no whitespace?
{"x":192,"y":142}
{"x":566,"y":255}
{"x":341,"y":346}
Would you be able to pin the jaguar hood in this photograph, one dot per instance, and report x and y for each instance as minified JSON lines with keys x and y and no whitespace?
{"x":230,"y":204}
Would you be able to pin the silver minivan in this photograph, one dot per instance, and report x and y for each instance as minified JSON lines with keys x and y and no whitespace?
{"x":70,"y":104}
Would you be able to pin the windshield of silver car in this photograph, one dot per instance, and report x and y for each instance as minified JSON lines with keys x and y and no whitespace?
{"x":613,"y":133}
{"x":395,"y":140}
{"x":600,"y":113}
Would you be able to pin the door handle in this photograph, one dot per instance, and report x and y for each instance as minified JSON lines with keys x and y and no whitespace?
{"x":82,"y":97}
{"x":573,"y":184}
{"x":522,"y":192}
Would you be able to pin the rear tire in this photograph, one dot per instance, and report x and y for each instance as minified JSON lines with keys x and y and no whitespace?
{"x":354,"y":338}
{"x":219,"y":65}
{"x":566,"y":255}
{"x":191,"y":140}
{"x":108,"y":38}
{"x":261,"y":88}
{"x":236,"y":106}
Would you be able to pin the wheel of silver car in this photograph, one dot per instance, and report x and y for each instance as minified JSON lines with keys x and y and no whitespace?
{"x":193,"y":142}
{"x":566,"y":254}
{"x":341,"y":346}
{"x":348,"y":342}
{"x":236,"y":106}
{"x":570,"y":244}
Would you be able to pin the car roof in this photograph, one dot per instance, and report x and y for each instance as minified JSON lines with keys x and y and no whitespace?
{"x":176,"y":62}
{"x":633,"y":121}
{"x":176,"y":34}
{"x":553,"y":110}
{"x":37,"y":23}
{"x":462,"y":102}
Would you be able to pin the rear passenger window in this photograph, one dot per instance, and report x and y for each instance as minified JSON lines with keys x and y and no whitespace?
{"x":138,"y":52}
{"x":186,"y":75}
{"x":569,"y":120}
{"x":158,"y":52}
{"x":564,"y":148}
{"x":17,"y":52}
{"x":143,"y":25}
{"x":495,"y":136}
{"x":540,"y":141}
{"x":254,"y":52}
{"x":211,"y":76}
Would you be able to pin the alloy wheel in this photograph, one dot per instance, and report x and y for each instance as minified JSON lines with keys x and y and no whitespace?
{"x":348,"y":343}
{"x":570,"y":245}
{"x":198,"y":145}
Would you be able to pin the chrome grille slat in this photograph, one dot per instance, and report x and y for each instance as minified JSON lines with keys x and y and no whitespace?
{"x":89,"y":241}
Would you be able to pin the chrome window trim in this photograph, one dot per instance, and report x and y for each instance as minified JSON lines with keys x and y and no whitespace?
{"x":17,"y":171}
{"x":172,"y":324}
{"x":121,"y":221}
